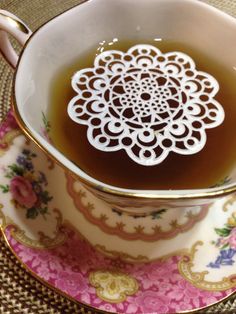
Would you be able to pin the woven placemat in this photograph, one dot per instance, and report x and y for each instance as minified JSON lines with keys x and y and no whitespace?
{"x":19,"y":291}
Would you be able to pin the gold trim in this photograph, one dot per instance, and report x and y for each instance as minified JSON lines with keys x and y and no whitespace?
{"x":112,"y":254}
{"x":15,"y":23}
{"x":197,"y":279}
{"x":99,"y":186}
{"x":229,"y":202}
{"x":138,"y":232}
{"x":113,"y":286}
{"x":5,"y":221}
{"x":51,"y":164}
{"x":44,"y":242}
{"x":65,"y":295}
{"x":7,"y":140}
{"x":137,"y":259}
{"x":2,"y":217}
{"x":44,"y":282}
{"x":124,"y":256}
{"x":16,"y":232}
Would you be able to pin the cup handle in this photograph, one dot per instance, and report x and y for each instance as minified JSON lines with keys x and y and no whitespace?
{"x":11,"y":24}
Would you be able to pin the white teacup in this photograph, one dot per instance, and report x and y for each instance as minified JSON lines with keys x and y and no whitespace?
{"x":72,"y":33}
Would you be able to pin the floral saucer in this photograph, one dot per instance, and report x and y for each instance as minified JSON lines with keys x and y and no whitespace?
{"x":50,"y":222}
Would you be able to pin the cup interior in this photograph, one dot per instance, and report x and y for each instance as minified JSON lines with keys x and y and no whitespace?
{"x":73,"y":33}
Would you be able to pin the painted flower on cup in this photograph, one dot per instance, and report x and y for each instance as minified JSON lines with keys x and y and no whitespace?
{"x":8,"y":124}
{"x":46,"y":128}
{"x":232,"y":239}
{"x":27,"y":186}
{"x":226,"y":243}
{"x":9,"y":129}
{"x":22,"y":191}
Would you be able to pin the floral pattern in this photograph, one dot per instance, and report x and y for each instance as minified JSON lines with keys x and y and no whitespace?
{"x":46,"y":128}
{"x":222,"y":182}
{"x":113,"y":286}
{"x":70,"y":266}
{"x":155,"y":214}
{"x":226,"y":244}
{"x":145,"y":102}
{"x":149,"y":302}
{"x":23,"y":192}
{"x":8,"y":124}
{"x":153,"y":226}
{"x":27,"y":187}
{"x":71,"y":282}
{"x":9,"y":129}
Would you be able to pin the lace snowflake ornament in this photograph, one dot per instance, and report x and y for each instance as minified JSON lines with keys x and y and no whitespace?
{"x":145,"y":102}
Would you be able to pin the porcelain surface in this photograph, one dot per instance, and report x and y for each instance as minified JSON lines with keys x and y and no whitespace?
{"x":40,"y":223}
{"x":188,"y":21}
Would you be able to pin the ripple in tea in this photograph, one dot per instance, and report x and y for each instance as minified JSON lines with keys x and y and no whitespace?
{"x":150,"y":116}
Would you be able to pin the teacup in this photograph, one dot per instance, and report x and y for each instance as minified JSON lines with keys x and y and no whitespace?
{"x":73,"y":33}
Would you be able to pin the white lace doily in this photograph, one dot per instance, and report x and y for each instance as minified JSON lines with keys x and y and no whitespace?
{"x":145,"y":102}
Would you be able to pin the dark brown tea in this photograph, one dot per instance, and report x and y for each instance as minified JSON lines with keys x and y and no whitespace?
{"x":206,"y":168}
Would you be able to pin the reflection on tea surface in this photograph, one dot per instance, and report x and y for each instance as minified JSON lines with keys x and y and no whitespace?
{"x":200,"y":170}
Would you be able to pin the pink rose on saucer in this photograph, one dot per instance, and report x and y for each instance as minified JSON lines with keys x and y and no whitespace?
{"x":232,"y":239}
{"x":151,"y":302}
{"x":71,"y":282}
{"x":8,"y":124}
{"x":23,"y":192}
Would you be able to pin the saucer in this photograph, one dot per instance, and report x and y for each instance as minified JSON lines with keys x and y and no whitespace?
{"x":59,"y":233}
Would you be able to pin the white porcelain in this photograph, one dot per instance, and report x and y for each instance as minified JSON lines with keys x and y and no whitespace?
{"x":38,"y":198}
{"x":74,"y":32}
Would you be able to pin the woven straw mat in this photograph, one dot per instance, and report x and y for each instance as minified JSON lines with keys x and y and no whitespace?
{"x":19,"y":291}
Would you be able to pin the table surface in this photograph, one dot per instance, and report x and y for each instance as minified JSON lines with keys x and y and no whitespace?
{"x":19,"y":291}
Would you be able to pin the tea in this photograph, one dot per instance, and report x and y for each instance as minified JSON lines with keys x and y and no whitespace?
{"x":200,"y":170}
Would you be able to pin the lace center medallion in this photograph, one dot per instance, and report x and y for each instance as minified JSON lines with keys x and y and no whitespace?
{"x":145,"y":102}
